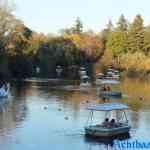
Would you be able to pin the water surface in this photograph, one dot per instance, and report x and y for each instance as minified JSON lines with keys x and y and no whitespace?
{"x":42,"y":117}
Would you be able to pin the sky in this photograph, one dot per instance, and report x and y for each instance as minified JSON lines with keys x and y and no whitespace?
{"x":49,"y":16}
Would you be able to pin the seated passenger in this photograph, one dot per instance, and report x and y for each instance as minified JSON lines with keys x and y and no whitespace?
{"x":104,"y":88}
{"x":106,"y":122}
{"x":112,"y":123}
{"x":108,"y":88}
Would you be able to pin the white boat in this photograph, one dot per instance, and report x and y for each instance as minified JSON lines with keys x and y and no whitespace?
{"x":112,"y":74}
{"x":82,"y":71}
{"x":4,"y":91}
{"x":99,"y":78}
{"x":116,"y":127}
{"x":104,"y":90}
{"x":84,"y":82}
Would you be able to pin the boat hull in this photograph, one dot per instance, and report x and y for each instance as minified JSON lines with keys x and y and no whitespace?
{"x":85,"y":85}
{"x":95,"y":131}
{"x":2,"y":97}
{"x":110,"y":94}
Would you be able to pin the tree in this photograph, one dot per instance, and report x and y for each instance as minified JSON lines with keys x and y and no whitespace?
{"x":136,"y":35}
{"x":117,"y":43}
{"x":19,"y":40}
{"x":122,"y":24}
{"x":57,"y":51}
{"x":7,"y":25}
{"x":90,"y":46}
{"x":109,"y":26}
{"x":78,"y":27}
{"x":147,"y":43}
{"x":105,"y":33}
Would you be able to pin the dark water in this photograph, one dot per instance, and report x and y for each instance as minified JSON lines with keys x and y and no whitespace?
{"x":43,"y":117}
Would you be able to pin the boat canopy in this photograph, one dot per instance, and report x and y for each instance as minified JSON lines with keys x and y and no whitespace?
{"x":107,"y":107}
{"x":85,"y":77}
{"x":110,"y":82}
{"x":82,"y":68}
{"x":100,"y":74}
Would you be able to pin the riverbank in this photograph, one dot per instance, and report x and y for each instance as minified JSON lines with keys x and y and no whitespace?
{"x":51,"y":81}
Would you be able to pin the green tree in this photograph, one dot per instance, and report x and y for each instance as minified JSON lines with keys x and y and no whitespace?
{"x":78,"y":27}
{"x":147,"y":43}
{"x":7,"y":25}
{"x":122,"y":24}
{"x":117,"y":42}
{"x":136,"y":35}
{"x":105,"y":33}
{"x":57,"y":51}
{"x":19,"y":40}
{"x":109,"y":26}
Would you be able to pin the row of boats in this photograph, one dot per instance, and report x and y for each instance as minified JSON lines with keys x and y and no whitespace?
{"x":111,"y":74}
{"x":115,"y":122}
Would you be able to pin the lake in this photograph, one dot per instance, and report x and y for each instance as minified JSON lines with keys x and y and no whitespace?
{"x":38,"y":116}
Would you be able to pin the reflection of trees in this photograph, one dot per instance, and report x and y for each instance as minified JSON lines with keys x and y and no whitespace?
{"x":12,"y":114}
{"x":14,"y":111}
{"x":134,"y":119}
{"x":73,"y":99}
{"x":146,"y":118}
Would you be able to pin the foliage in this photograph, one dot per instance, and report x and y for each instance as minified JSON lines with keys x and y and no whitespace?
{"x":57,"y":51}
{"x":122,"y":24}
{"x":138,"y":60}
{"x":90,"y":45}
{"x":136,"y":35}
{"x":117,"y":42}
{"x":126,"y":45}
{"x":77,"y":28}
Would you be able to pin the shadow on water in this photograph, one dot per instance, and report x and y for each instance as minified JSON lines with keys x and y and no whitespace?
{"x":108,"y":143}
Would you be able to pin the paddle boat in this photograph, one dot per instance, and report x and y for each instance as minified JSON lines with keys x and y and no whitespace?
{"x":113,"y":94}
{"x":84,"y":82}
{"x":105,"y":91}
{"x":82,"y":71}
{"x":112,"y":74}
{"x":99,"y":78}
{"x":115,"y":121}
{"x":4,"y":91}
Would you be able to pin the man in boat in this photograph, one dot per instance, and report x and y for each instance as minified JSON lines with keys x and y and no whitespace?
{"x":108,"y":88}
{"x":112,"y":123}
{"x":109,"y":124}
{"x":104,"y":88}
{"x":106,"y":122}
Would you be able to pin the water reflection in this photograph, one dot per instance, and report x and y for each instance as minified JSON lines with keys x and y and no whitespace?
{"x":40,"y":116}
{"x":105,"y":144}
{"x":11,"y":115}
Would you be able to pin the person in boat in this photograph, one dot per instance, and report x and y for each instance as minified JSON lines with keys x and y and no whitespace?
{"x":108,"y":88}
{"x":113,"y":123}
{"x":104,"y":88}
{"x":106,"y":122}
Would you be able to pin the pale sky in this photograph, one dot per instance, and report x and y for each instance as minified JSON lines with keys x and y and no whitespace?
{"x":49,"y":16}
